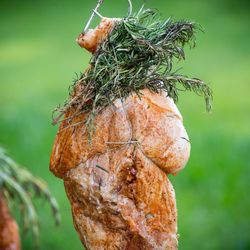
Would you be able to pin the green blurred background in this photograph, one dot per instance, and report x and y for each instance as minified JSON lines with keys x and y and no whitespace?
{"x":39,"y":58}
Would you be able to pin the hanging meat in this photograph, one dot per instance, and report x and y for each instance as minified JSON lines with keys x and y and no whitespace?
{"x":121,"y":133}
{"x":9,"y":233}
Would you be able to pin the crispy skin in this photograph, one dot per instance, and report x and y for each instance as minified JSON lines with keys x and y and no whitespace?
{"x":118,"y":188}
{"x":93,"y":37}
{"x":9,"y":234}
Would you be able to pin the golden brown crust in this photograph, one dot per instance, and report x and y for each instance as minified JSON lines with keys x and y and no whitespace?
{"x":132,"y":204}
{"x":153,"y":120}
{"x":9,"y":234}
{"x":120,"y":195}
{"x":93,"y":37}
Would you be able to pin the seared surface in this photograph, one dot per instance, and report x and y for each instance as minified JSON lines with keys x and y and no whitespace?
{"x":93,"y":37}
{"x":9,"y":234}
{"x":118,"y":188}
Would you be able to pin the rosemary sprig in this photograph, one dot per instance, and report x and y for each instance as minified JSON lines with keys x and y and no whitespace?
{"x":139,"y":53}
{"x":20,"y":187}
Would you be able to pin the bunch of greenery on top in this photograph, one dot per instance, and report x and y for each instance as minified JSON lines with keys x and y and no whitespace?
{"x":138,"y":54}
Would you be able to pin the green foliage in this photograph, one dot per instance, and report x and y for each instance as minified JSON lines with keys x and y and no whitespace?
{"x":139,"y":53}
{"x":37,"y":62}
{"x":19,"y":188}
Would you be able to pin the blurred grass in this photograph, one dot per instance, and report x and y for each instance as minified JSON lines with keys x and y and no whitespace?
{"x":38,"y":60}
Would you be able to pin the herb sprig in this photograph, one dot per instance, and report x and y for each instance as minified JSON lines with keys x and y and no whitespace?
{"x":138,"y":54}
{"x":19,"y":188}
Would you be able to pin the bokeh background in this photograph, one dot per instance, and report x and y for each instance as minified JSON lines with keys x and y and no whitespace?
{"x":38,"y":60}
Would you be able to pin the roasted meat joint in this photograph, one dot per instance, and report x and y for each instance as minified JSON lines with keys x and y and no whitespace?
{"x":121,"y":134}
